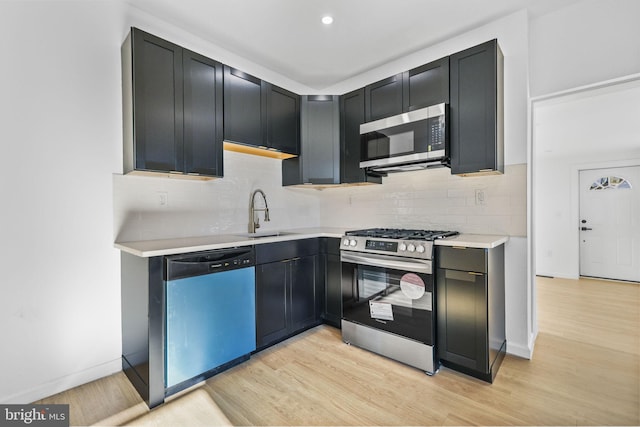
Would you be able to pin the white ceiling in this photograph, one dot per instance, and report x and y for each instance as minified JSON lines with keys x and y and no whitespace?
{"x":287,"y":36}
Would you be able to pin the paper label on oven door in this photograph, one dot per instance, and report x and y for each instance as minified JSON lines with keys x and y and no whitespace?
{"x":381,"y":310}
{"x":412,"y":286}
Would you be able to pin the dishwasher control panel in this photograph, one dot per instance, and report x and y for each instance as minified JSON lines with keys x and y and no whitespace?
{"x":240,"y":262}
{"x":206,"y":262}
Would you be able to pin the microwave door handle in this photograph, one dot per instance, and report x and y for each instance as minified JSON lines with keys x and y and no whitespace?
{"x":387,"y":262}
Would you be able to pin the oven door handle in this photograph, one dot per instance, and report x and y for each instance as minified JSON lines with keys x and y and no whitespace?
{"x":416,"y":266}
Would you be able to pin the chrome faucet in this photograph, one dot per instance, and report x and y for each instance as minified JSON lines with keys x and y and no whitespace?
{"x":254,"y":221}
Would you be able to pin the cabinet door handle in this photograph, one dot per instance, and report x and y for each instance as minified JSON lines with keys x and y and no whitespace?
{"x":473,"y":273}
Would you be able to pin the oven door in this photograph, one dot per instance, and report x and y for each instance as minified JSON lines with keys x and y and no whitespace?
{"x":389,"y":293}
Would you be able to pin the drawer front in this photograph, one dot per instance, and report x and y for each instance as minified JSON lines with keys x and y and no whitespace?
{"x":280,"y":251}
{"x":464,"y":259}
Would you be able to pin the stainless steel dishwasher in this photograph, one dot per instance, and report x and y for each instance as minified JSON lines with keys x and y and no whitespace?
{"x":210,"y":314}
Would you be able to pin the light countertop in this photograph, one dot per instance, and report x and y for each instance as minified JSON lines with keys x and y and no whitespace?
{"x":486,"y":241}
{"x":151,"y":248}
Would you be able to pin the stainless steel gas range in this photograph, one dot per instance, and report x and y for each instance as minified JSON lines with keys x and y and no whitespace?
{"x":388,"y":293}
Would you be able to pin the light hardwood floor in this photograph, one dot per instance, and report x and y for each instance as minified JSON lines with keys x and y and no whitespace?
{"x":585,"y":371}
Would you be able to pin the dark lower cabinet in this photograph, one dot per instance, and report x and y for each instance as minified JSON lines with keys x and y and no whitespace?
{"x":304,"y":301}
{"x":476,"y":110}
{"x":288,"y":289}
{"x":470,"y":310}
{"x":143,"y":317}
{"x":332,"y":275}
{"x":272,"y":289}
{"x":172,"y":108}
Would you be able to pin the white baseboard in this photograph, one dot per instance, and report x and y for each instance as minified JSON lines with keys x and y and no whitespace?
{"x":64,"y":383}
{"x":520,"y":350}
{"x":558,"y":275}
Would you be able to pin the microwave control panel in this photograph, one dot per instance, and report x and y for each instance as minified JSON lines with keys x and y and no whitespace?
{"x":437,"y":134}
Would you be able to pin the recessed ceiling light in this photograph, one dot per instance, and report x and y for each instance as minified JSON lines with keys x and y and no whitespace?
{"x":327,"y":20}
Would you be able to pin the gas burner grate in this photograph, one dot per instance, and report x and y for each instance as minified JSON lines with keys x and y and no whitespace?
{"x":398,"y":233}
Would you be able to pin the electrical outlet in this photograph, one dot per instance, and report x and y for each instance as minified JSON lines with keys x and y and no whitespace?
{"x":163,"y":199}
{"x":480,"y":197}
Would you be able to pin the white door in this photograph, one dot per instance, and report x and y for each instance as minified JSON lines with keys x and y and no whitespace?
{"x":610,"y":223}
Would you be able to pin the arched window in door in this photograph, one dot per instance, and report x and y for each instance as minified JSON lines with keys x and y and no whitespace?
{"x":610,"y":183}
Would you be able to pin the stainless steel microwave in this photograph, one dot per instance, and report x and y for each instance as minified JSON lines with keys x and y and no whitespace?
{"x":407,"y":141}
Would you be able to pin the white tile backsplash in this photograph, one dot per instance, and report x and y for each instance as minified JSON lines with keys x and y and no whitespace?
{"x":220,"y":206}
{"x":429,"y":199}
{"x":433,"y":199}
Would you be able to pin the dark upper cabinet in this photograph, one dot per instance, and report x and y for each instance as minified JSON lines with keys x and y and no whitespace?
{"x":330,"y":147}
{"x":157,"y":96}
{"x":172,"y":108}
{"x":476,"y":110}
{"x":243,"y":107}
{"x":203,"y":115}
{"x":384,"y":98}
{"x":260,"y":114}
{"x":283,"y":119}
{"x":320,"y":146}
{"x":352,"y":115}
{"x":420,"y":87}
{"x":426,"y":85}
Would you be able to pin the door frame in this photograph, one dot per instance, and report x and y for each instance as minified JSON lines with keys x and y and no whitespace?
{"x":575,"y":184}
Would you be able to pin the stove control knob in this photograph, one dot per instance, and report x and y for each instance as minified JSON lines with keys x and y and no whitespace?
{"x":402,"y":247}
{"x":411,"y":247}
{"x":420,"y":249}
{"x":352,"y":242}
{"x":345,"y":242}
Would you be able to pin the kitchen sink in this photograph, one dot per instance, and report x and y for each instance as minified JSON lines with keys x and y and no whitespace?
{"x":262,"y":234}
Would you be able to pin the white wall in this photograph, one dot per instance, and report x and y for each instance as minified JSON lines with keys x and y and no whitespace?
{"x":586,"y":130}
{"x":588,"y":42}
{"x":61,"y":120}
